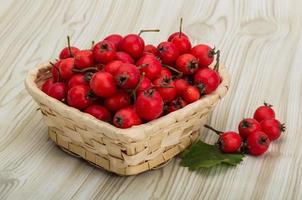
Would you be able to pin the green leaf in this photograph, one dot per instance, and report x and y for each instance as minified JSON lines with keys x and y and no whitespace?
{"x":202,"y":155}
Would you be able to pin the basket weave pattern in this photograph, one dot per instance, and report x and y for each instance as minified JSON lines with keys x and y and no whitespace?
{"x":122,"y":151}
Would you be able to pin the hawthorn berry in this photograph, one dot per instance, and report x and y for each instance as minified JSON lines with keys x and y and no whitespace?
{"x":126,"y":117}
{"x":272,"y":128}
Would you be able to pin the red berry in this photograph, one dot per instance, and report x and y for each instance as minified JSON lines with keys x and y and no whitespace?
{"x":124,"y":57}
{"x":104,"y":52}
{"x":168,"y":52}
{"x":113,"y":66}
{"x":83,"y":59}
{"x":264,"y":112}
{"x":127,"y":76}
{"x":102,"y":84}
{"x":191,"y":94}
{"x":150,"y":66}
{"x":149,"y":105}
{"x":79,"y":79}
{"x":144,"y":85}
{"x":166,"y":88}
{"x":126,"y":117}
{"x":99,"y":112}
{"x":229,"y":142}
{"x":165,"y":73}
{"x":207,"y":80}
{"x":248,"y":126}
{"x":151,"y":49}
{"x":272,"y":128}
{"x":117,"y":101}
{"x":180,"y":85}
{"x":58,"y":91}
{"x":115,"y":39}
{"x":257,"y":143}
{"x":187,"y":64}
{"x":63,"y":69}
{"x":46,"y":85}
{"x":79,"y":97}
{"x":132,"y":44}
{"x":182,"y":43}
{"x":204,"y":54}
{"x":176,"y":104}
{"x":68,"y":53}
{"x":176,"y":34}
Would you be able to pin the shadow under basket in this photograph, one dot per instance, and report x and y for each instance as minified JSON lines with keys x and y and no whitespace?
{"x":122,"y":151}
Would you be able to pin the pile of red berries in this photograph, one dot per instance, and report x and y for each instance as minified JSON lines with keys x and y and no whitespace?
{"x":122,"y":81}
{"x":255,"y":134}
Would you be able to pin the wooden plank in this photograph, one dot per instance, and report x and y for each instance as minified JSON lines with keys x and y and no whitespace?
{"x":261,"y":44}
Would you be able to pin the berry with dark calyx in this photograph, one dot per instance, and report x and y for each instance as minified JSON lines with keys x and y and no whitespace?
{"x":99,"y":112}
{"x":79,"y":79}
{"x":207,"y":80}
{"x":248,"y":126}
{"x":204,"y":54}
{"x":187,"y":64}
{"x":127,"y":76}
{"x":165,"y":73}
{"x":83,"y":59}
{"x":229,"y":141}
{"x":264,"y":112}
{"x":115,"y":39}
{"x":166,"y":88}
{"x":104,"y":52}
{"x":149,"y":105}
{"x":126,"y":117}
{"x":68,"y":51}
{"x":124,"y":57}
{"x":180,"y":85}
{"x":151,"y":49}
{"x":132,"y":44}
{"x":176,"y":104}
{"x":257,"y":143}
{"x":178,"y":34}
{"x":272,"y":128}
{"x":149,"y":65}
{"x":79,"y":97}
{"x":168,"y":52}
{"x":113,"y":66}
{"x":46,"y":85}
{"x":190,"y":94}
{"x":58,"y":91}
{"x":102,"y":84}
{"x":118,"y":101}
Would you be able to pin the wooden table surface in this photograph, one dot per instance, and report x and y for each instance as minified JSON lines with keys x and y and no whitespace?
{"x":261,"y":43}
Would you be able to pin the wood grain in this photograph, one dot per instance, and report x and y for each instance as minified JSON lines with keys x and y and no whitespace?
{"x":261,"y":44}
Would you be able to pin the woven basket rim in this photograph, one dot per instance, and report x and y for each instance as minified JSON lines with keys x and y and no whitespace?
{"x":134,"y":133}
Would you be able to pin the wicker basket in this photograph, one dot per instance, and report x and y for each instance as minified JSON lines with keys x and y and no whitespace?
{"x":122,"y":151}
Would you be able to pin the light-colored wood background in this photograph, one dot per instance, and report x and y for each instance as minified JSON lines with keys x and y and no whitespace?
{"x":261,"y":43}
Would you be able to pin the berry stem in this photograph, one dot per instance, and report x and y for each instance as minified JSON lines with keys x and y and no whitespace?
{"x":92,"y":44}
{"x":84,"y":70}
{"x":216,"y":67}
{"x":173,"y":69}
{"x":69,"y":48}
{"x":148,"y":30}
{"x":267,"y":104}
{"x":213,"y":129}
{"x":137,"y":86}
{"x":58,"y":70}
{"x":180,"y":27}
